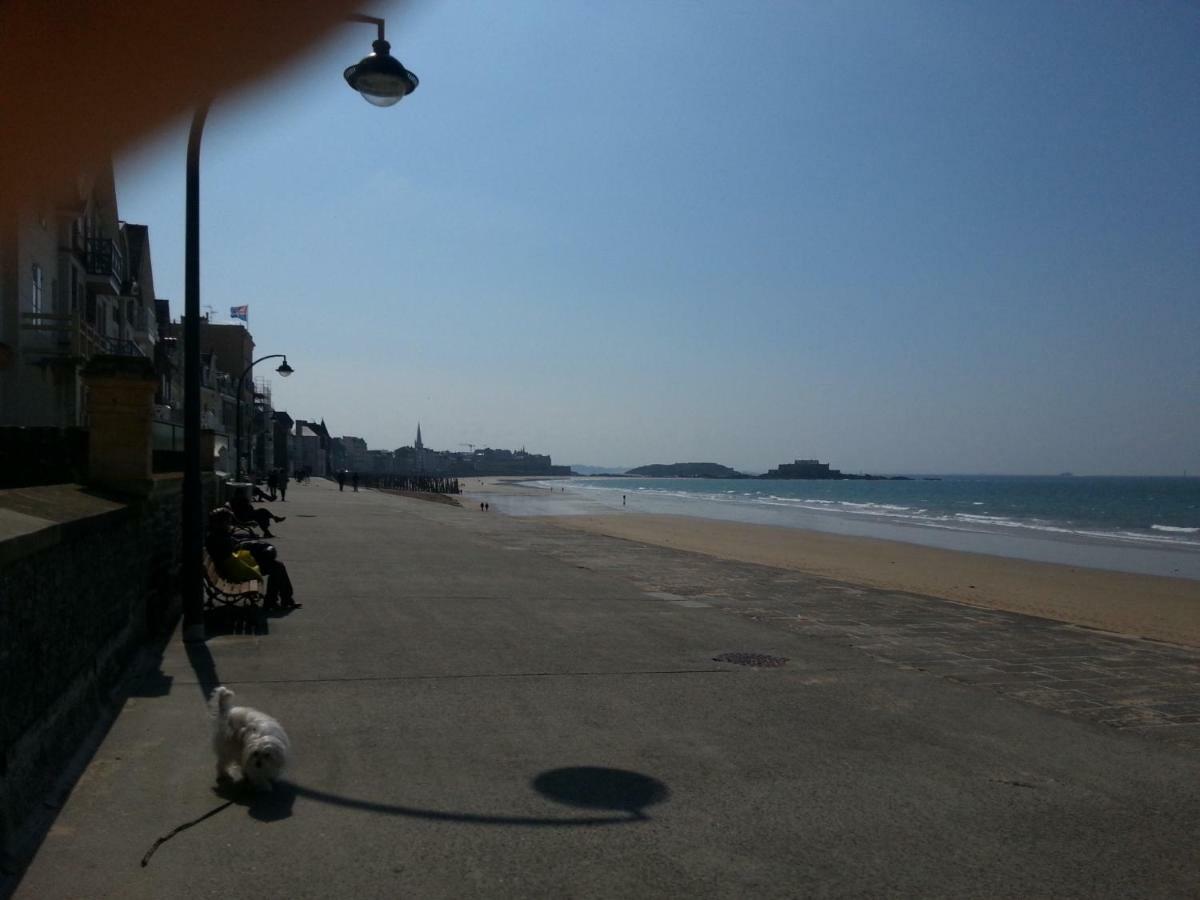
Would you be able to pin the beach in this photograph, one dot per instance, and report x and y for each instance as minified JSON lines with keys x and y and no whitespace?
{"x":1155,"y":607}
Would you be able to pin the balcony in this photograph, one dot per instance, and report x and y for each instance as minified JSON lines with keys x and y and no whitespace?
{"x":105,"y":263}
{"x":66,"y":337}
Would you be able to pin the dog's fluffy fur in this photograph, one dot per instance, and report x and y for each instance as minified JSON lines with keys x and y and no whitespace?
{"x":248,"y":743}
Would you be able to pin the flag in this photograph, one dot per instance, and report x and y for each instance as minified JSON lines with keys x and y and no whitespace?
{"x":240,"y":312}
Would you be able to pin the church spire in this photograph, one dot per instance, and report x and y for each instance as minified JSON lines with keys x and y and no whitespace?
{"x":418,"y":445}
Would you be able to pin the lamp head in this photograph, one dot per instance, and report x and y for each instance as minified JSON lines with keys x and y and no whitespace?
{"x":380,"y":78}
{"x":284,"y":369}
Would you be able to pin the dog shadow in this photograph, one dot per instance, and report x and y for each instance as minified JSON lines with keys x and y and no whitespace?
{"x":274,"y":805}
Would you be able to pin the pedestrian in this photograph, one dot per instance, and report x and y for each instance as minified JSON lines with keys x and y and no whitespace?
{"x":622,"y":499}
{"x":486,"y":506}
{"x":481,"y":506}
{"x":283,"y":482}
{"x":273,"y":482}
{"x":341,"y":479}
{"x":354,"y":479}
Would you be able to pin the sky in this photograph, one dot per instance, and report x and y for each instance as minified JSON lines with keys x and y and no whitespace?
{"x":898,"y":236}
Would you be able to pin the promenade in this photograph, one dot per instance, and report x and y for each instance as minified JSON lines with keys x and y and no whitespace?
{"x":484,"y":706}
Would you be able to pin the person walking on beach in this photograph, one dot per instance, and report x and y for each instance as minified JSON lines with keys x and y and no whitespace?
{"x":622,"y":499}
{"x":341,"y":479}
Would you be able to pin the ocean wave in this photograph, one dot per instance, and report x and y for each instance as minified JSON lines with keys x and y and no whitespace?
{"x":841,"y":504}
{"x":1163,"y":536}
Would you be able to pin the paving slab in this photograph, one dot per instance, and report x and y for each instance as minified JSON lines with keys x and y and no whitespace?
{"x":485,"y":707}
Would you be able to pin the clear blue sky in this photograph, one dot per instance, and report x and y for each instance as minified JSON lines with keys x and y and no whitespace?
{"x":898,"y":236}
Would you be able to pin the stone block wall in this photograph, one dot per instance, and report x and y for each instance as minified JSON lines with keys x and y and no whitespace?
{"x":85,"y":582}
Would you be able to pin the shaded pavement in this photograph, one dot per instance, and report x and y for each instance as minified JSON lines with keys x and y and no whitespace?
{"x":483,"y":706}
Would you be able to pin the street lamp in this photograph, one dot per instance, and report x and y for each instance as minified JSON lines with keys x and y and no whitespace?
{"x":379,"y":77}
{"x":284,"y":369}
{"x":382,"y":81}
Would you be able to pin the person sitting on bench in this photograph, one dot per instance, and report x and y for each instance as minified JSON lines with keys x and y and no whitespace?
{"x":245,"y":513}
{"x":246,"y":560}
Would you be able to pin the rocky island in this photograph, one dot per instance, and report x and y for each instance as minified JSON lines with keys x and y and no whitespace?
{"x":801,"y":468}
{"x":687,"y":470}
{"x":813,"y":469}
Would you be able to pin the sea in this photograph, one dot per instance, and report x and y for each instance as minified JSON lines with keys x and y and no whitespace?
{"x":1147,"y":525}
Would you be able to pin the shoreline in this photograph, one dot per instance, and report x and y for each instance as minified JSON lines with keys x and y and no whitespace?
{"x":974,"y":515}
{"x":1074,"y":549}
{"x":1156,"y":607}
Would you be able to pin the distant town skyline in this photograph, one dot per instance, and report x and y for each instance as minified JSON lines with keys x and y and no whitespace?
{"x":898,"y":237}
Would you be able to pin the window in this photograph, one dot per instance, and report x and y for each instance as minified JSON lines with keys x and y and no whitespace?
{"x":37,"y":288}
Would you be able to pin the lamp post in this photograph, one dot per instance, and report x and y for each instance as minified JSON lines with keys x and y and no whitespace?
{"x":382,"y":81}
{"x":284,"y":369}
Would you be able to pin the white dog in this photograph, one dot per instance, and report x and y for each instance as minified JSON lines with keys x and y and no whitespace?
{"x":249,"y":742}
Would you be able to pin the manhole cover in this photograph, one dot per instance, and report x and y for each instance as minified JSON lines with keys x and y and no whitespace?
{"x":757,"y":660}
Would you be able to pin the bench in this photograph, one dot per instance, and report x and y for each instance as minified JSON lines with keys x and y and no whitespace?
{"x":242,"y":528}
{"x":220,"y":590}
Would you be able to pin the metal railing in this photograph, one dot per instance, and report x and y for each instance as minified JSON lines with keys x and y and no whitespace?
{"x":69,"y":335}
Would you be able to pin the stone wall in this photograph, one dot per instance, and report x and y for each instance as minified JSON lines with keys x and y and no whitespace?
{"x":86,"y":581}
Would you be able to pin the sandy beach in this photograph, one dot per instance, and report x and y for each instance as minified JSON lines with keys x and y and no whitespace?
{"x":1165,"y":609}
{"x":1155,"y":607}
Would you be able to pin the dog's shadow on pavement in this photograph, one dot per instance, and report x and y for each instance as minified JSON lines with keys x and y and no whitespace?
{"x":265,"y":806}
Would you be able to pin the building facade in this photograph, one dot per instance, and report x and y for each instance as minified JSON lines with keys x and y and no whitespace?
{"x":75,"y":282}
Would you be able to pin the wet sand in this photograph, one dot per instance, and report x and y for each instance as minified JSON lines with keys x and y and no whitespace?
{"x":1165,"y":609}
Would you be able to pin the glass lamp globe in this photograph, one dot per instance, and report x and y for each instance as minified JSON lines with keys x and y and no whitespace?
{"x":380,"y":78}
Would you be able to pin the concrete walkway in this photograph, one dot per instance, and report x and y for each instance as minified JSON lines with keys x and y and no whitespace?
{"x":478,"y":714}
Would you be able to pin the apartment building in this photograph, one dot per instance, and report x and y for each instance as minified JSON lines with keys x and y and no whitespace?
{"x":75,"y":282}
